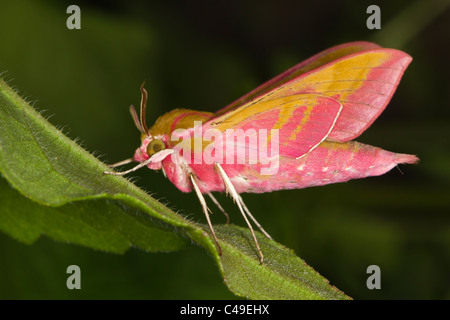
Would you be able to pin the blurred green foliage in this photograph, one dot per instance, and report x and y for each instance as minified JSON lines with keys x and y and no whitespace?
{"x":204,"y":55}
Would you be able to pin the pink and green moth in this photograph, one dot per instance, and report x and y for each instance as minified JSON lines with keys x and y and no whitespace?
{"x":313,"y":112}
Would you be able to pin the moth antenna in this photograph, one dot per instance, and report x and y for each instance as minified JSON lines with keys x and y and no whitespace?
{"x":144,"y":96}
{"x":136,"y":119}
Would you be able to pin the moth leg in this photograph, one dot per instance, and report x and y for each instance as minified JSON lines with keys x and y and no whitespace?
{"x":140,"y":165}
{"x":159,"y":156}
{"x":253,"y":219}
{"x":121,"y":163}
{"x":219,"y":206}
{"x":205,"y":210}
{"x":237,"y":198}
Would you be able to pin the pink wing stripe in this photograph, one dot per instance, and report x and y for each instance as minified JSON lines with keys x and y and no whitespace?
{"x":301,"y":123}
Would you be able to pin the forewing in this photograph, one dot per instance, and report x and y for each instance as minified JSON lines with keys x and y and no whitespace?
{"x":312,"y":63}
{"x":293,"y":125}
{"x":363,"y":83}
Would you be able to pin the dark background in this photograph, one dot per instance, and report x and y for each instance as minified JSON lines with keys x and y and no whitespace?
{"x":203,"y":55}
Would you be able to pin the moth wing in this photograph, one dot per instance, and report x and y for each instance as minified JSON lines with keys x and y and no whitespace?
{"x":363,"y":82}
{"x":309,"y":64}
{"x":293,"y":124}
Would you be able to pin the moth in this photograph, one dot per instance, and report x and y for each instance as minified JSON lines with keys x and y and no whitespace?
{"x":297,"y":130}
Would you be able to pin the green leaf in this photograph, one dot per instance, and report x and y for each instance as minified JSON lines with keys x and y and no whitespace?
{"x":58,"y":189}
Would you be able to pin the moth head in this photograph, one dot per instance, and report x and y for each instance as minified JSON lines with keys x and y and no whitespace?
{"x":150,"y":146}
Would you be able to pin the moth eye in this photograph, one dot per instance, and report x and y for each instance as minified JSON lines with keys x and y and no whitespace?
{"x":154,"y":146}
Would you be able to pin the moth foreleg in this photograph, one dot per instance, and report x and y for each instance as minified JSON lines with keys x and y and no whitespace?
{"x":121,"y":163}
{"x":140,"y":165}
{"x":157,"y":157}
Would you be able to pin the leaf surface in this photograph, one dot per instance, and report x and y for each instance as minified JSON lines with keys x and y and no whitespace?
{"x":51,"y":186}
